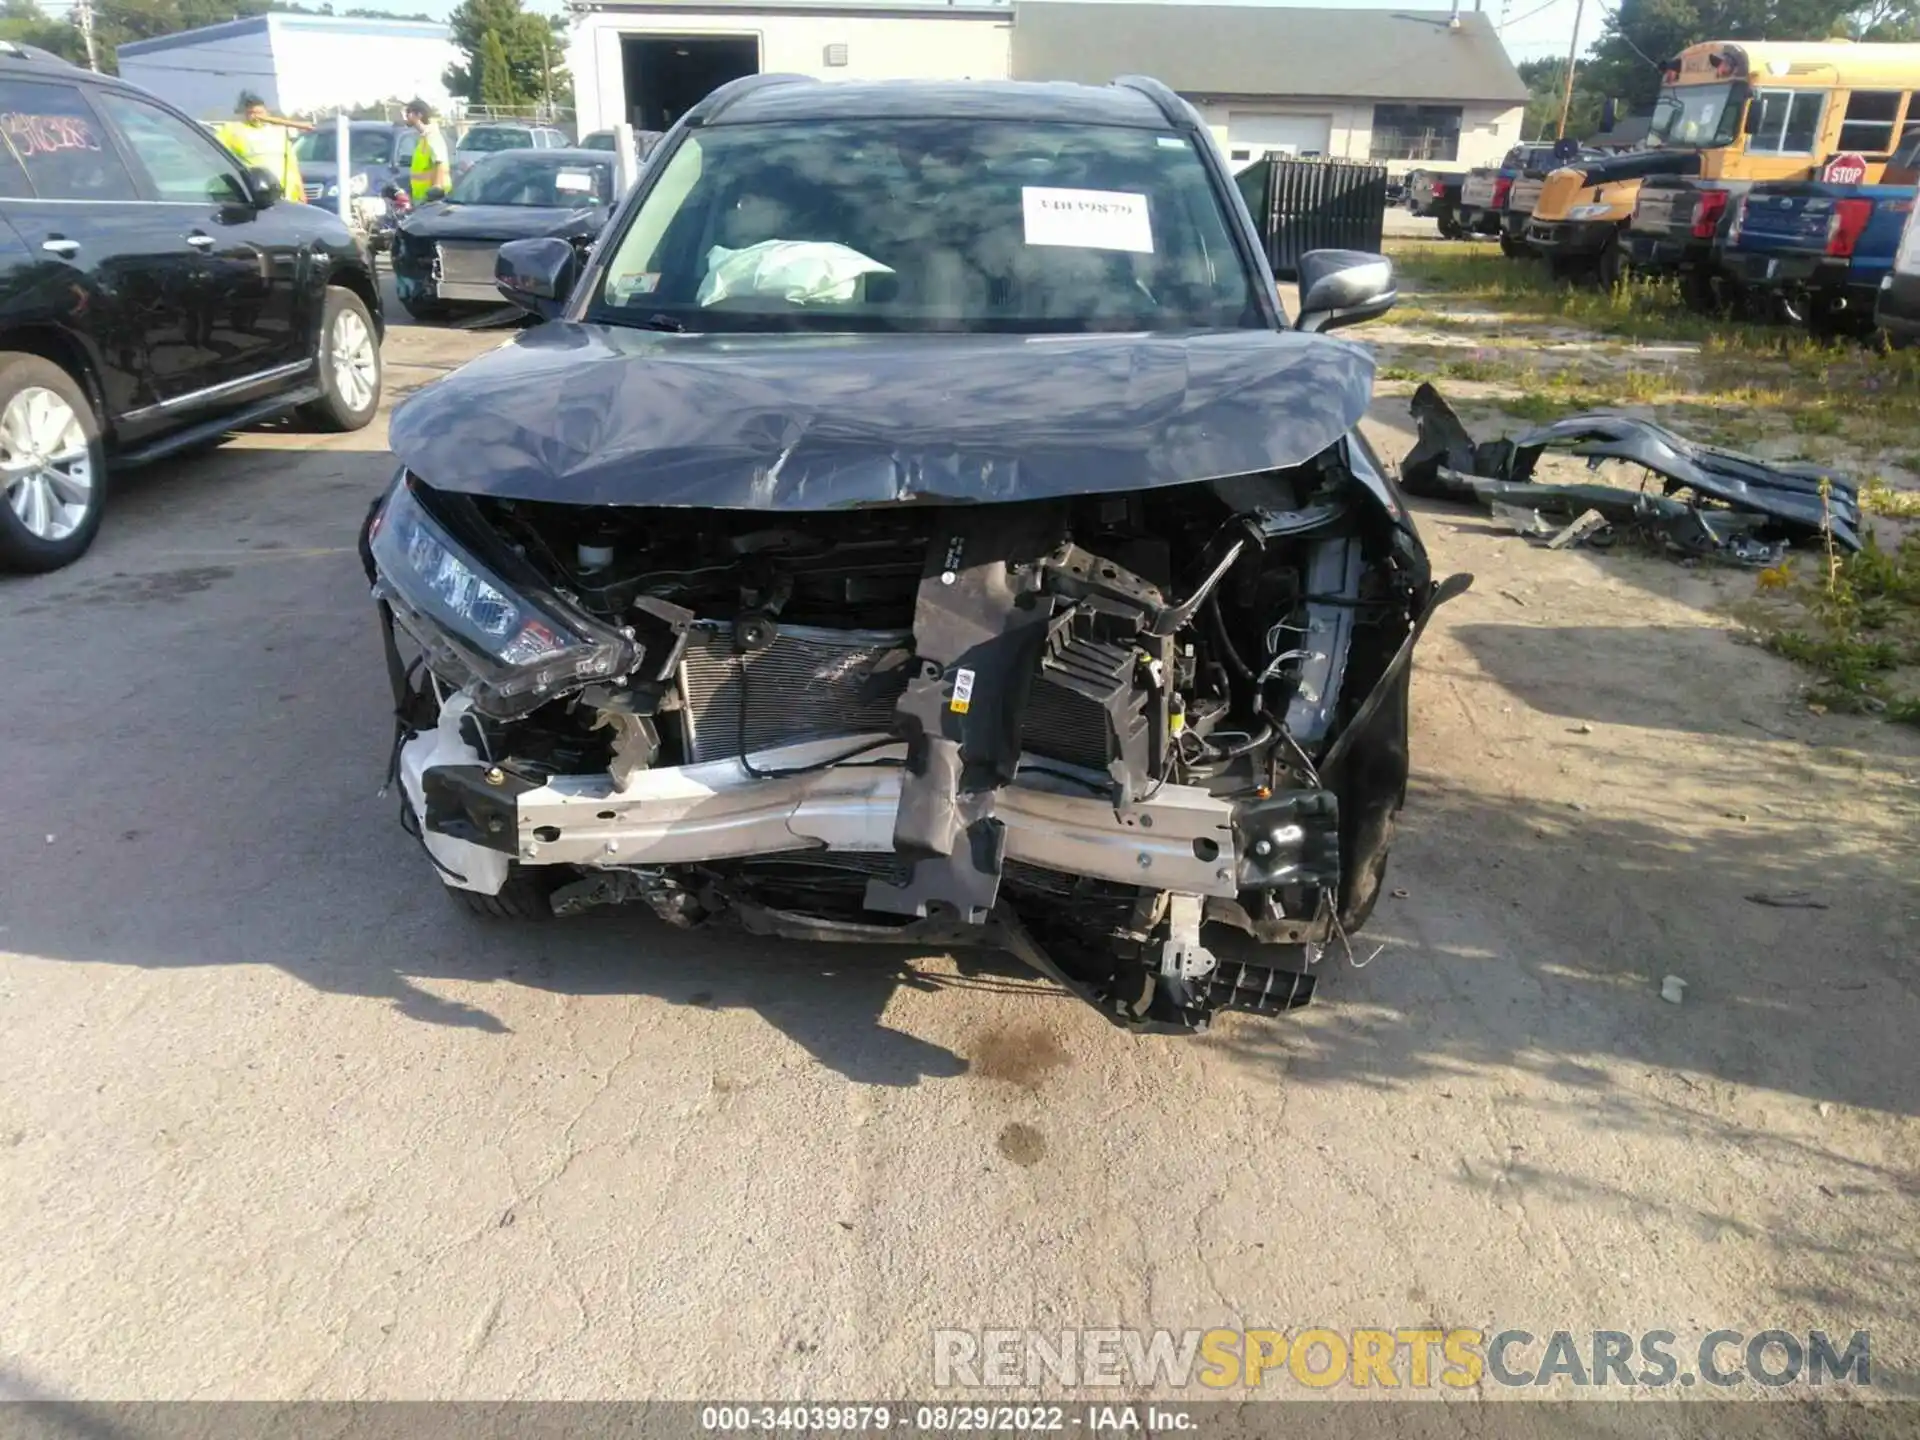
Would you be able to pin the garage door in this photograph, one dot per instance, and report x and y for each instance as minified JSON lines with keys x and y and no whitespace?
{"x":1251,"y":134}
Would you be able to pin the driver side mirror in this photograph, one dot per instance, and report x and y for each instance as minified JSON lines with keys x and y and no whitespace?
{"x":536,"y":275}
{"x":1343,"y":287}
{"x":262,"y":188}
{"x":434,"y":196}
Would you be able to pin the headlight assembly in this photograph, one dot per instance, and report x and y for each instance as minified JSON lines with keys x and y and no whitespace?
{"x":513,"y":640}
{"x":333,"y":192}
{"x":358,"y":185}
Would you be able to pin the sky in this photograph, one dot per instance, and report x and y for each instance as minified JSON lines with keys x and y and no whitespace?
{"x":1530,"y":28}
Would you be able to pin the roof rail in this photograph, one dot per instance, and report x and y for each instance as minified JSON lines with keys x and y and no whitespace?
{"x":1179,"y":114}
{"x":711,"y":108}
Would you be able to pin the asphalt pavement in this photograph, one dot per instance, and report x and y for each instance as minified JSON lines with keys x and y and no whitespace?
{"x":277,"y":1120}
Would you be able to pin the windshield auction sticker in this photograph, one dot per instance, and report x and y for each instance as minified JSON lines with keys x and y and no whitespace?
{"x":1087,"y":219}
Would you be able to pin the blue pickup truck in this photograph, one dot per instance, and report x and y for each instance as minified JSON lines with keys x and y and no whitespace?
{"x":1815,"y":252}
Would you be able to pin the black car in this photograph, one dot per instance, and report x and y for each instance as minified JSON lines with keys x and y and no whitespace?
{"x":443,"y":252}
{"x":917,"y":522}
{"x":153,"y":296}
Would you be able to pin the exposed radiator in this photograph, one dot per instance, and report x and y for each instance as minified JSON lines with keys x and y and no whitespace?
{"x":810,"y":683}
{"x":468,"y":262}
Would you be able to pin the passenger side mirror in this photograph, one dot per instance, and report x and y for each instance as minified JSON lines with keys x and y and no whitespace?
{"x":262,"y":188}
{"x":434,"y":195}
{"x":536,"y":275}
{"x":1343,"y":287}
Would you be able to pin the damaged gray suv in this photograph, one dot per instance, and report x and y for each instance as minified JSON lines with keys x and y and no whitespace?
{"x":918,"y":523}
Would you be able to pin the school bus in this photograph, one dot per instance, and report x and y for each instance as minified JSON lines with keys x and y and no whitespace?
{"x":1731,"y":113}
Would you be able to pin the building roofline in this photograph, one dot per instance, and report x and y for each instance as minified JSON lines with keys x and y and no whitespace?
{"x":883,"y":9}
{"x":266,"y":24}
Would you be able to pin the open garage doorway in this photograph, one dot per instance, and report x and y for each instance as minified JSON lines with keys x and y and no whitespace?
{"x":667,"y":75}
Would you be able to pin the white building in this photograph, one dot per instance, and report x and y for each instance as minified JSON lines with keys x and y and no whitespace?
{"x":296,"y":63}
{"x":1399,"y":86}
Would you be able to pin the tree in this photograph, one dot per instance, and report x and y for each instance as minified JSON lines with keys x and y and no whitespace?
{"x":1546,"y":82}
{"x":530,"y":46}
{"x":496,"y":78}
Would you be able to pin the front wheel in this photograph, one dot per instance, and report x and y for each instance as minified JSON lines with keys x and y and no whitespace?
{"x":1514,"y":249}
{"x":349,"y":363}
{"x":53,"y":470}
{"x":1611,"y":268}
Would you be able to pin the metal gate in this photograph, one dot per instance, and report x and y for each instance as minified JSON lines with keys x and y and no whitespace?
{"x":1302,"y":205}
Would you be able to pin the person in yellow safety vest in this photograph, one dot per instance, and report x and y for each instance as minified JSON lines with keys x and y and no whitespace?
{"x":265,"y":141}
{"x":432,"y":168}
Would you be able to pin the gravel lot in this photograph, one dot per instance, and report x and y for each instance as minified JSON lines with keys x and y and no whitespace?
{"x":277,"y":1121}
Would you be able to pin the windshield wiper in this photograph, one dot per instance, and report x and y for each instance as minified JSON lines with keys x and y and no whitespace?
{"x":663,"y":322}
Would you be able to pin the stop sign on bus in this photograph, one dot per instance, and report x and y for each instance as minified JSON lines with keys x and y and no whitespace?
{"x":1845,"y":169}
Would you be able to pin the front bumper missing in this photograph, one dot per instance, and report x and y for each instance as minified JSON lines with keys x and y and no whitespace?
{"x":476,"y":818}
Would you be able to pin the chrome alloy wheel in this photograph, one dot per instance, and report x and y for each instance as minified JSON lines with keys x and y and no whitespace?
{"x":46,"y":466}
{"x":356,"y":366}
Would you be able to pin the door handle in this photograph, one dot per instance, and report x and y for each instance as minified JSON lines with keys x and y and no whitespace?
{"x":200,"y":242}
{"x":65,"y":249}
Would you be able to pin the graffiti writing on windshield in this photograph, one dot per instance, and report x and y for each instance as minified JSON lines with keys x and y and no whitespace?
{"x":47,"y":134}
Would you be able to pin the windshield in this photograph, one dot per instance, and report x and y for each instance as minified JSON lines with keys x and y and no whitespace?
{"x":1697,"y":116}
{"x":930,"y":225}
{"x":488,"y":138}
{"x":364,"y":147}
{"x":532,"y":177}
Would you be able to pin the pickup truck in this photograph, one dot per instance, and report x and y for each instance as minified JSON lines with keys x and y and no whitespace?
{"x":1677,"y":227}
{"x":1680,"y":224}
{"x":1897,"y":311}
{"x":1816,"y":252}
{"x":1437,"y":193}
{"x":1497,"y":199}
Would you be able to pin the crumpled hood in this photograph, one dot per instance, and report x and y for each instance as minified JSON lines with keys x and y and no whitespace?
{"x":441,"y":221}
{"x":600,"y":415}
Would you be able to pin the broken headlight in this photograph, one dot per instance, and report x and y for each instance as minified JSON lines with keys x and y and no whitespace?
{"x":484,"y":625}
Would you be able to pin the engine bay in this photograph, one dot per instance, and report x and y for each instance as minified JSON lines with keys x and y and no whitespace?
{"x":1225,"y":639}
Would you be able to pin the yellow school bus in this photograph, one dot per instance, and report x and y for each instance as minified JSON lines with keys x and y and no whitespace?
{"x":1735,"y":111}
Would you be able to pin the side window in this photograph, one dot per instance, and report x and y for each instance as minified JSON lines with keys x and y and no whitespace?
{"x":183,"y":164}
{"x":1869,"y":122}
{"x":13,"y":179}
{"x":61,"y":143}
{"x":1785,"y":122}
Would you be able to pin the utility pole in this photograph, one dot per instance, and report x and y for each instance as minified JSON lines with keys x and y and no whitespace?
{"x":546,"y":76}
{"x":83,"y":17}
{"x":1573,"y":49}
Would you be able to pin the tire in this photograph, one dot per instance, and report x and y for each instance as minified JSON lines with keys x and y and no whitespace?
{"x":527,"y":896}
{"x":1610,"y":268}
{"x":1514,"y":249}
{"x":48,"y":516}
{"x":425,"y":312}
{"x":349,"y":365}
{"x":1699,"y":293}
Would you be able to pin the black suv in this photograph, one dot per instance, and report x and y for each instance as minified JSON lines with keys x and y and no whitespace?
{"x":917,"y":522}
{"x":154,"y":295}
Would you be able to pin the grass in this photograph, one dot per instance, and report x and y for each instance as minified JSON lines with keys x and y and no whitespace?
{"x":1726,"y":366}
{"x":1879,"y":498}
{"x":1852,"y":619}
{"x":1856,"y":624}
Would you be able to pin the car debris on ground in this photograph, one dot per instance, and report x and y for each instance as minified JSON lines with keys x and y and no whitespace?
{"x":1713,"y":504}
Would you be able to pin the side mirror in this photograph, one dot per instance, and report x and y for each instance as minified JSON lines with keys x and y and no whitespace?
{"x":1750,"y":125}
{"x":1343,"y":287}
{"x":536,"y":275}
{"x":434,"y":195}
{"x":262,"y":188}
